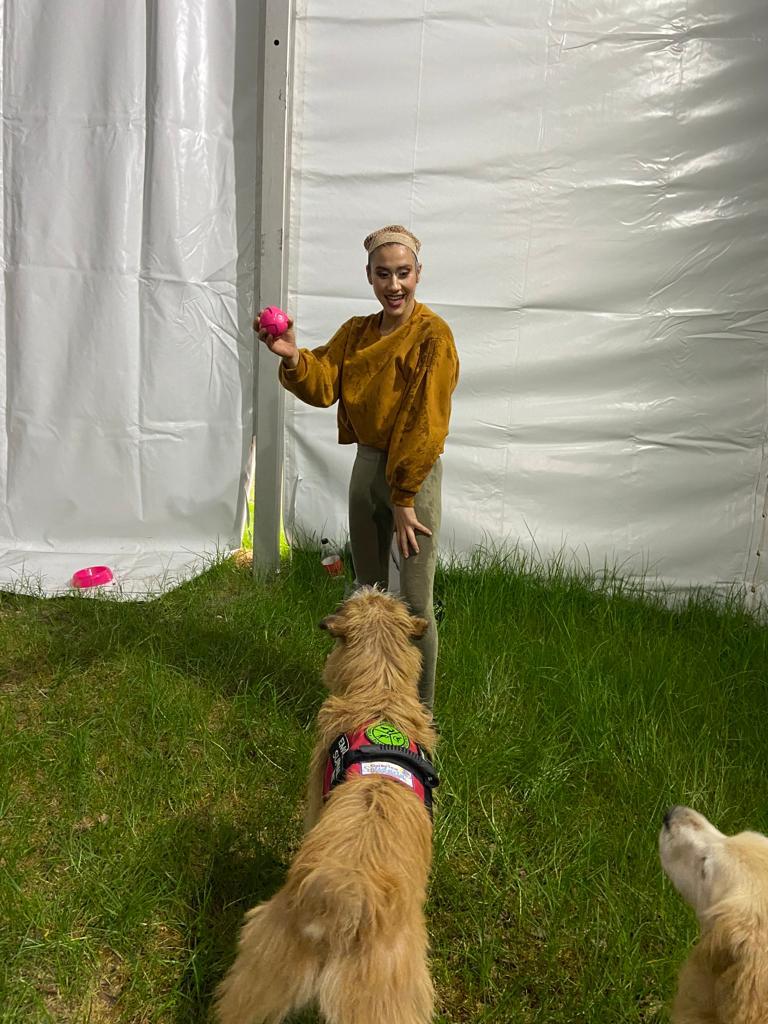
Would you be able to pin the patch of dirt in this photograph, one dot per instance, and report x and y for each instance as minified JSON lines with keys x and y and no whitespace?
{"x":99,"y":1006}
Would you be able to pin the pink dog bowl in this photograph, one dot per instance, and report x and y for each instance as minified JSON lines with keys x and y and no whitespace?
{"x":93,"y":576}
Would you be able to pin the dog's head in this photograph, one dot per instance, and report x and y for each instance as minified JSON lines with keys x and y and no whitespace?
{"x":707,"y":867}
{"x":374,"y":633}
{"x":371,"y":611}
{"x":725,"y":880}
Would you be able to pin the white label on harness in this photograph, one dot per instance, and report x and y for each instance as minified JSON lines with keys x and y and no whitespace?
{"x":395,"y":771}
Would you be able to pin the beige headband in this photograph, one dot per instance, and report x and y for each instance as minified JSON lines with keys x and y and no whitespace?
{"x":393,"y":233}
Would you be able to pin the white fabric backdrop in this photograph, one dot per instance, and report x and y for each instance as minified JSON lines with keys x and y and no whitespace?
{"x":588,"y":181}
{"x":128,"y":169}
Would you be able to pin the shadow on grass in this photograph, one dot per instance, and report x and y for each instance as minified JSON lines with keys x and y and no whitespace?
{"x":239,"y":874}
{"x":223,"y":873}
{"x":222,"y":631}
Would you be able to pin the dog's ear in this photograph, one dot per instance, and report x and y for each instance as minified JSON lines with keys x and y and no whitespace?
{"x":419,"y":626}
{"x":334,"y":624}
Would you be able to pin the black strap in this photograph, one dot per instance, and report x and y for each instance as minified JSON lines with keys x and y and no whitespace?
{"x":342,"y":757}
{"x":417,"y":763}
{"x":338,"y":752}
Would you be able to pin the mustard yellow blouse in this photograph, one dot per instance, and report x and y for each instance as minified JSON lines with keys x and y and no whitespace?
{"x":394,"y":392}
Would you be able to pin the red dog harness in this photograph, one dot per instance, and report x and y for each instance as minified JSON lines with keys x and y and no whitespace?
{"x":380,"y":748}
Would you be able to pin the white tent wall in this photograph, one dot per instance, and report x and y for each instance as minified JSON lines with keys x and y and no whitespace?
{"x":129,"y":165}
{"x":588,"y":181}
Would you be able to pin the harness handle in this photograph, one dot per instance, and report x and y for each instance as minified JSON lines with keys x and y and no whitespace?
{"x":406,"y":758}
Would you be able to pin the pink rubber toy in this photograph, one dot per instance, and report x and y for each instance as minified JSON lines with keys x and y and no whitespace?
{"x":274,"y":320}
{"x":93,"y":576}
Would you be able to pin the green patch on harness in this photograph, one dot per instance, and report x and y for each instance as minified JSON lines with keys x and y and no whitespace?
{"x":385,"y":734}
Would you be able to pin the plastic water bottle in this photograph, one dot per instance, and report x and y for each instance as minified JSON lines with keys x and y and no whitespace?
{"x":330,"y":558}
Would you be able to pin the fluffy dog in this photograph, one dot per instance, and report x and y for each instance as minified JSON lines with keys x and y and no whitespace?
{"x":347,"y":931}
{"x":725,"y":880}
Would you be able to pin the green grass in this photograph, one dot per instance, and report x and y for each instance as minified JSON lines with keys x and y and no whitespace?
{"x":154,"y":756}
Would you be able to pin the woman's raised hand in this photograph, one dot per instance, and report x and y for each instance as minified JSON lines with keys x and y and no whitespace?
{"x":284,"y":345}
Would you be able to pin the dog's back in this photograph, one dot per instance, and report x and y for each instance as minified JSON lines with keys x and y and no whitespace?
{"x":346,"y":930}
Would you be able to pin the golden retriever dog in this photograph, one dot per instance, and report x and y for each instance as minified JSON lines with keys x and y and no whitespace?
{"x":725,"y":880}
{"x":346,"y":932}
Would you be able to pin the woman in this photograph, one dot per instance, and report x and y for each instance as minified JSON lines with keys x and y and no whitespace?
{"x":393,"y":374}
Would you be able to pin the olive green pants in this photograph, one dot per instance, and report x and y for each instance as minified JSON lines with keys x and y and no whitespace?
{"x":371,"y":524}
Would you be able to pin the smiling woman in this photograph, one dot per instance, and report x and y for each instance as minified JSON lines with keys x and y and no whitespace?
{"x":393,"y":271}
{"x":392,"y":374}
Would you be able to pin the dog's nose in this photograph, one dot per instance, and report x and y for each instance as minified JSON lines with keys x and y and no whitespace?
{"x":669,"y":815}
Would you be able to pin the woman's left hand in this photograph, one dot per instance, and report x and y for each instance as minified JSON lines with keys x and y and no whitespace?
{"x":406,"y":528}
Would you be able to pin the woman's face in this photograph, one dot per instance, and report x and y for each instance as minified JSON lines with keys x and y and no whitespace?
{"x":394,"y":274}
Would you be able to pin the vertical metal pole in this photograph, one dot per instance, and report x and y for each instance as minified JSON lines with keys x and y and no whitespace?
{"x":271,"y":276}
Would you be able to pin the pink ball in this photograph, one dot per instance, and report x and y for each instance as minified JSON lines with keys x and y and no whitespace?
{"x":274,"y":320}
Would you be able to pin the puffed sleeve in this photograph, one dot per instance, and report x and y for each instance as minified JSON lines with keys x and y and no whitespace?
{"x":421,"y":426}
{"x":315,"y":378}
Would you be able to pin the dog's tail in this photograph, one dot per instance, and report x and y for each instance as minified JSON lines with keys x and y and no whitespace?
{"x":275,"y":972}
{"x":284,"y":945}
{"x":333,"y":904}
